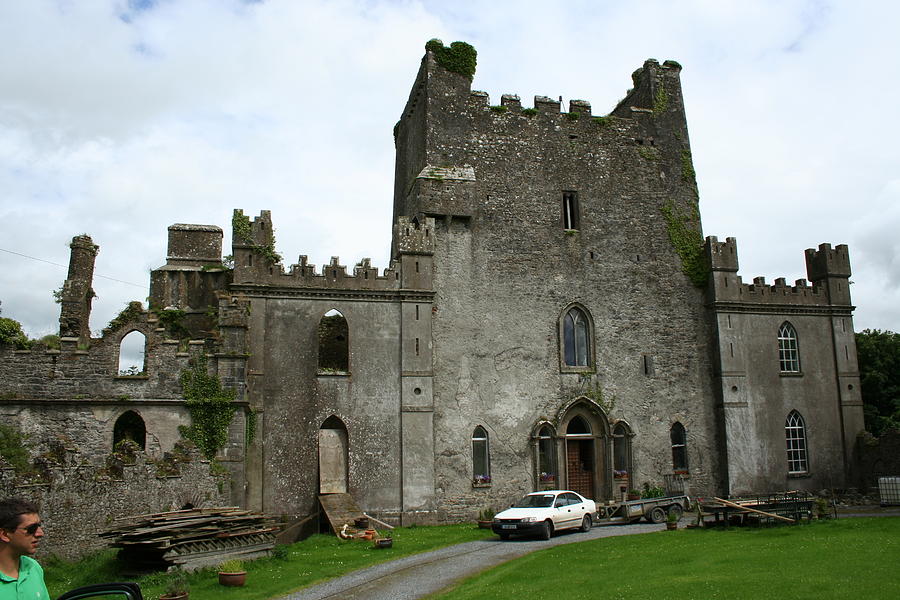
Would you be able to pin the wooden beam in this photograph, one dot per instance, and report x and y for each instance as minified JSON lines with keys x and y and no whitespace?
{"x":753,"y":510}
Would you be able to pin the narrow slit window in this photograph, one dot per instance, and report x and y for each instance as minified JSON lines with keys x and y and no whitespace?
{"x":481,"y":463}
{"x":570,"y":210}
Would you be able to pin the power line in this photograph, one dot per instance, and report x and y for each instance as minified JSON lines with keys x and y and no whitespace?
{"x":143,"y":287}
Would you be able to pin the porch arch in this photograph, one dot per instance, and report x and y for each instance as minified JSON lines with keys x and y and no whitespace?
{"x":583,"y":448}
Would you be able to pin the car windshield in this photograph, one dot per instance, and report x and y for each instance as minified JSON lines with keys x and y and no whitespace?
{"x":535,"y":501}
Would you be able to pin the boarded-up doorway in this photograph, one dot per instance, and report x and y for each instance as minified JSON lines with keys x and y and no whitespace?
{"x":333,"y":457}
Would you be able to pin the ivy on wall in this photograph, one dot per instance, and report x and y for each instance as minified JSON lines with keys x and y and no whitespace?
{"x":211,"y":408}
{"x":688,"y":243}
{"x":460,"y":57}
{"x":661,"y":100}
{"x":240,"y":225}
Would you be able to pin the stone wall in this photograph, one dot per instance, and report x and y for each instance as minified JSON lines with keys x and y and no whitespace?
{"x":78,"y":500}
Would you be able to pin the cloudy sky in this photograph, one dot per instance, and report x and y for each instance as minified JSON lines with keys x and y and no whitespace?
{"x":118,"y":119}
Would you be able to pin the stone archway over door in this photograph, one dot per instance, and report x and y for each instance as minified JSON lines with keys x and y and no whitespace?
{"x":333,"y":457}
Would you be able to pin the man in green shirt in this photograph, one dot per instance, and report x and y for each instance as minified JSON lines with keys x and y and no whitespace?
{"x":21,"y":577}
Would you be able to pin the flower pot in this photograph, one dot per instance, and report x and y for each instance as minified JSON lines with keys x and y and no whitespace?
{"x":361,"y":523}
{"x":235,"y":579}
{"x":383,"y":542}
{"x":368,"y":534}
{"x":484,"y":524}
{"x":672,"y":526}
{"x":634,"y":496}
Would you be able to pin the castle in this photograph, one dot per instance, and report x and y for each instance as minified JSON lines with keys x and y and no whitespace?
{"x":551,"y":318}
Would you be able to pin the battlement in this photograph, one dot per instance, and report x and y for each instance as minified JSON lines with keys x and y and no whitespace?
{"x":722,"y":255}
{"x":414,"y":237}
{"x":827,"y":262}
{"x":727,"y":286}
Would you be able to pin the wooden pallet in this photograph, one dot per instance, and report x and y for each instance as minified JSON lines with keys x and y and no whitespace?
{"x":340,"y":510}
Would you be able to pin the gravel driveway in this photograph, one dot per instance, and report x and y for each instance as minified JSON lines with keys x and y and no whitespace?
{"x":422,"y":574}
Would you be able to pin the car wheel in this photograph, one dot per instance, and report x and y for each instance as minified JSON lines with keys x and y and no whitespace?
{"x":657,"y":515}
{"x":503,"y":536}
{"x":586,"y":524}
{"x":676,"y":510}
{"x":546,"y":530}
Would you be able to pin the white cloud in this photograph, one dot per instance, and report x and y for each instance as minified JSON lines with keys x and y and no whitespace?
{"x":182,"y":111}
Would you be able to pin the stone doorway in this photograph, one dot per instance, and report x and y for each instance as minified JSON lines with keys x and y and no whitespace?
{"x":580,"y":466}
{"x":333,"y":457}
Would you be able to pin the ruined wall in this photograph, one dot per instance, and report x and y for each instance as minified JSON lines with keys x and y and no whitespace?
{"x":78,"y":499}
{"x":506,"y":269}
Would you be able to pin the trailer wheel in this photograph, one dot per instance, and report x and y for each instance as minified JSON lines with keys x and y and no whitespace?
{"x":676,"y":510}
{"x":586,"y":524}
{"x":657,"y":515}
{"x":546,"y":531}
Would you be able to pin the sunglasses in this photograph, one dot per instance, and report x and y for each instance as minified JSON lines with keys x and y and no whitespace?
{"x":32,"y":529}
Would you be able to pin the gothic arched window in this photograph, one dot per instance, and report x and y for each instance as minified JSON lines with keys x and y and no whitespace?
{"x":795,"y":435}
{"x":575,"y":330}
{"x":788,"y":349}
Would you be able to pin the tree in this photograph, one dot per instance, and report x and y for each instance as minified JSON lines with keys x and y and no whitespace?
{"x":879,"y":371}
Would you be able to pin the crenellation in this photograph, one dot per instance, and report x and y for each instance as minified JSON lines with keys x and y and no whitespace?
{"x":547,"y":105}
{"x":582,"y":107}
{"x":511,"y":101}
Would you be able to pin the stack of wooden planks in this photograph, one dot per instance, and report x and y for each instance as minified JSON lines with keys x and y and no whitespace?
{"x":192,"y":538}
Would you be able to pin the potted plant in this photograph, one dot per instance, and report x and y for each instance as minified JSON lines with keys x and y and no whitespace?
{"x":485,"y":518}
{"x":232,"y":573}
{"x":672,"y":521}
{"x":177,"y":587}
{"x":634,"y":494}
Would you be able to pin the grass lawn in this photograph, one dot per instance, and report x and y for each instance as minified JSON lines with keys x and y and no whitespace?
{"x":847,"y":558}
{"x":315,"y":559}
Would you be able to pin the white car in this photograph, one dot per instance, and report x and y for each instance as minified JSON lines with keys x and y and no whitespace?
{"x":542,"y":513}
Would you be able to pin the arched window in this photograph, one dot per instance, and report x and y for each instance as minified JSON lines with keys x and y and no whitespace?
{"x":131,"y":354}
{"x":130,"y":426}
{"x":621,"y":450}
{"x":788,"y":350}
{"x":334,"y":343}
{"x":679,"y":448}
{"x":546,"y":456}
{"x":576,"y":337}
{"x":481,"y":456}
{"x":795,"y":434}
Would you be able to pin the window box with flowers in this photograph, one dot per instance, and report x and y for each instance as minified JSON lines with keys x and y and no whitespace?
{"x":481,"y":481}
{"x":620,"y":474}
{"x":547,"y":480}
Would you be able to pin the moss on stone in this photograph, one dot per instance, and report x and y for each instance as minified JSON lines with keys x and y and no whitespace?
{"x":460,"y":57}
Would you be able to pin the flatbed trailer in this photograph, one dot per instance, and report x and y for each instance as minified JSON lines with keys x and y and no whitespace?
{"x":654,"y":510}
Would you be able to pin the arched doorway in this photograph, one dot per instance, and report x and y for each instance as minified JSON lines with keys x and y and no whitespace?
{"x":580,"y":457}
{"x":333,"y":444}
{"x":584,"y":430}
